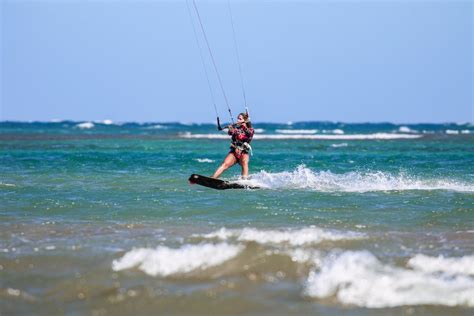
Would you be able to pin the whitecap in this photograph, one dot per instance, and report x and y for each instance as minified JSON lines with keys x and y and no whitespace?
{"x":336,"y":131}
{"x":297,"y":237}
{"x":461,"y":265}
{"x":85,"y":125}
{"x":259,"y":130}
{"x":451,"y":132}
{"x":296,"y":131}
{"x":204,"y":160}
{"x":339,"y":145}
{"x":157,"y":126}
{"x":359,"y":278}
{"x":406,"y":129}
{"x":164,"y":261}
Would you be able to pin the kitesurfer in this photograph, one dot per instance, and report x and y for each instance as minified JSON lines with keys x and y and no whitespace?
{"x":242,"y":134}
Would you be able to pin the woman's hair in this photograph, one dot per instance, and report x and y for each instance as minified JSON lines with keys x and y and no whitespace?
{"x":246,"y":118}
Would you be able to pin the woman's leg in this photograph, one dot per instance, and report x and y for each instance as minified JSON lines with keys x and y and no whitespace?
{"x":229,"y":161}
{"x":244,"y":162}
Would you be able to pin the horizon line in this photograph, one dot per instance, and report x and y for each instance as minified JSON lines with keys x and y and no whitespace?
{"x":112,"y":122}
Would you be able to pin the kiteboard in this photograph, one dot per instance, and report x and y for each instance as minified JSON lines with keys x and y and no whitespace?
{"x":217,"y":183}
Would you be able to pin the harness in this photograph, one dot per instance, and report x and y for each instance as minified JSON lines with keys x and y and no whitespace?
{"x":241,"y":148}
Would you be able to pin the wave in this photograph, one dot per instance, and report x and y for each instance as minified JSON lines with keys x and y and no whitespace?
{"x":299,"y":237}
{"x":2,"y":184}
{"x":164,"y":261}
{"x":359,"y":278}
{"x":326,"y":181}
{"x":157,"y":126}
{"x":333,"y":131}
{"x":374,"y":136}
{"x":105,"y":122}
{"x":463,"y":265}
{"x":406,"y":129}
{"x":204,"y":160}
{"x":457,"y":132}
{"x":296,"y":131}
{"x":339,"y":145}
{"x":85,"y":125}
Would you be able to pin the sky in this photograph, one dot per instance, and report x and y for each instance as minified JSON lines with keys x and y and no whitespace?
{"x":349,"y":61}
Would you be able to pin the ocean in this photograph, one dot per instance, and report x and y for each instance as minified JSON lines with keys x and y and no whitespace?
{"x":98,"y":218}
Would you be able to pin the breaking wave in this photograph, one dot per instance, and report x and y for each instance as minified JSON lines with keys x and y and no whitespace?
{"x":359,"y":278}
{"x":299,"y":237}
{"x":164,"y":261}
{"x":85,"y":125}
{"x":305,"y":178}
{"x":463,"y":265}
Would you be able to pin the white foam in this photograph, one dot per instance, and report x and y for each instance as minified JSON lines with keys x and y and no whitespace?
{"x":204,"y":160}
{"x":7,"y":184}
{"x":259,"y":130}
{"x":296,"y":131}
{"x":452,"y":132}
{"x":85,"y":125}
{"x":339,"y":145}
{"x":298,"y":237}
{"x":375,"y":136}
{"x":465,"y":131}
{"x":305,"y":178}
{"x":105,"y":122}
{"x":406,"y":129}
{"x":166,"y":261}
{"x":300,"y":255}
{"x":462,"y":265}
{"x":359,"y":278}
{"x":157,"y":126}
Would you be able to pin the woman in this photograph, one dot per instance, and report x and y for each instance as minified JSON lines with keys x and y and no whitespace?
{"x":242,"y":134}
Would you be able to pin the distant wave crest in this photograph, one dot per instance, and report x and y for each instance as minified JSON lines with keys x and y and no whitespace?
{"x":374,"y":136}
{"x":85,"y":125}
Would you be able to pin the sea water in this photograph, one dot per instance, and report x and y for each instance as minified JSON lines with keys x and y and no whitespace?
{"x":98,"y":218}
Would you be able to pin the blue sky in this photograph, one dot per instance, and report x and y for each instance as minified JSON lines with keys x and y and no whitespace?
{"x":351,"y":61}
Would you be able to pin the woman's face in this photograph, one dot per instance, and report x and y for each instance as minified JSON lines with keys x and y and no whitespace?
{"x":240,"y":118}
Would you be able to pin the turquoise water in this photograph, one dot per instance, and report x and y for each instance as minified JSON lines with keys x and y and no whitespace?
{"x":351,"y":218}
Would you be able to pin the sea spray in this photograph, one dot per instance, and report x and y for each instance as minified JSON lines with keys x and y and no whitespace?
{"x":355,"y":181}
